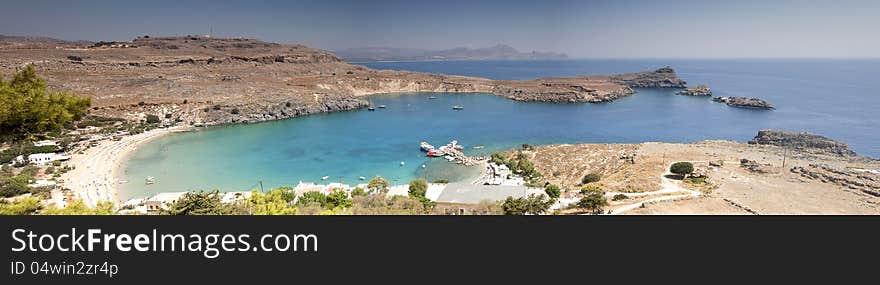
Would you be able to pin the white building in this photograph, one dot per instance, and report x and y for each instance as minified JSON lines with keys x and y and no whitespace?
{"x":45,"y":143}
{"x":162,"y":200}
{"x":41,"y":158}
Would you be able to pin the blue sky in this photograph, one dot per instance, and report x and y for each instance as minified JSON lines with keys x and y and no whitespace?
{"x":628,"y":28}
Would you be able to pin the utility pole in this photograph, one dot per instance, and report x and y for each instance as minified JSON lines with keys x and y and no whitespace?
{"x":784,"y":155}
{"x":261,"y":187}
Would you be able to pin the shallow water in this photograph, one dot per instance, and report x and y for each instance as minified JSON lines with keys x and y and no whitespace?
{"x":833,"y":98}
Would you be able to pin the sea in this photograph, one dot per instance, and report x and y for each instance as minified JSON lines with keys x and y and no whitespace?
{"x":836,"y":98}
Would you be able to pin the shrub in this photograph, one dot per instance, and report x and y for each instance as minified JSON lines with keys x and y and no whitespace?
{"x":168,"y":116}
{"x":682,"y":168}
{"x":590,"y":178}
{"x":235,"y":111}
{"x":442,"y":181}
{"x":533,"y":204}
{"x":553,"y":191}
{"x":619,"y":197}
{"x":338,"y":199}
{"x":312,"y":197}
{"x":216,"y":107}
{"x":153,"y":119}
{"x":358,"y":191}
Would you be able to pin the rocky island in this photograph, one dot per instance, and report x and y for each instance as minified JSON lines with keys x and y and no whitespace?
{"x":202,"y":80}
{"x":745,"y":102}
{"x":699,"y":90}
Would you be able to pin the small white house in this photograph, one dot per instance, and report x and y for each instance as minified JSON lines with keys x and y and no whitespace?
{"x":45,"y":143}
{"x":41,"y":158}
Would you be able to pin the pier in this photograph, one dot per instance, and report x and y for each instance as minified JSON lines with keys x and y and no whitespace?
{"x":451,"y":152}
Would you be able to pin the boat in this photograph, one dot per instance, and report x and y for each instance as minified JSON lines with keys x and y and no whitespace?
{"x":381,"y":106}
{"x":479,"y":147}
{"x":362,"y":178}
{"x":432,"y":97}
{"x":457,"y":107}
{"x":423,"y":166}
{"x":435,"y":153}
{"x":150,"y":180}
{"x":325,"y":177}
{"x":371,"y":108}
{"x":402,"y":163}
{"x":426,"y":147}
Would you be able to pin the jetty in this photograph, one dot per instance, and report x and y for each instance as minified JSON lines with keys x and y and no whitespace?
{"x":452,"y":152}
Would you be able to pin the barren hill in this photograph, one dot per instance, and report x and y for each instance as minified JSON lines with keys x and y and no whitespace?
{"x":204,"y":80}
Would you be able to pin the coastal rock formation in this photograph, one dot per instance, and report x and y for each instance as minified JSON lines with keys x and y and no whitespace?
{"x":803,"y":141}
{"x":699,"y":90}
{"x":664,"y":77}
{"x":745,"y":102}
{"x":201,"y":80}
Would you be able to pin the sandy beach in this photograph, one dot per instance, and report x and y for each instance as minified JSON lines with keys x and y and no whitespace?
{"x":96,"y":176}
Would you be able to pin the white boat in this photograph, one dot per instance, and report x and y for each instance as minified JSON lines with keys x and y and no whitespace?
{"x":325,"y":177}
{"x":150,"y":180}
{"x":457,"y":107}
{"x":426,"y":147}
{"x":402,"y":163}
{"x":381,"y":106}
{"x":362,"y":178}
{"x":432,"y":97}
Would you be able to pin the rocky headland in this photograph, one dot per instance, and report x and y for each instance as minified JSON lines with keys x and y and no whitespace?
{"x":745,"y":102}
{"x":802,"y":142}
{"x":699,"y":90}
{"x":201,"y":80}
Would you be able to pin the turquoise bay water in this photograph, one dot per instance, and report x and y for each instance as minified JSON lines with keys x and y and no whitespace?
{"x":830,"y":97}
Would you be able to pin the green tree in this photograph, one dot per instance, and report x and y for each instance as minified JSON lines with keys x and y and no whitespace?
{"x":533,"y":204}
{"x":26,"y":107}
{"x":338,"y":199}
{"x":499,"y":158}
{"x":358,"y":191}
{"x":682,"y":168}
{"x":590,"y":178}
{"x":418,"y":188}
{"x":23,"y":206}
{"x":592,"y":199}
{"x":199,"y":203}
{"x":553,"y":191}
{"x":273,"y":202}
{"x":287,"y":193}
{"x":378,"y":184}
{"x":312,"y":197}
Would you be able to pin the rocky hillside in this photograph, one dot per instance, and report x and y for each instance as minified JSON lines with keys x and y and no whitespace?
{"x":202,"y":80}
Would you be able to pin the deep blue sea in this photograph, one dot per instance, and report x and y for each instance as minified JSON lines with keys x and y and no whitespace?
{"x":835,"y":98}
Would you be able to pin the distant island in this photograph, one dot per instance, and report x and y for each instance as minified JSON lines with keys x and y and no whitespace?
{"x":497,"y":52}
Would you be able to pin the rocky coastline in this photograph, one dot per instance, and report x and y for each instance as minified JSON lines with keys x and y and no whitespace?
{"x":208,"y":81}
{"x":745,"y":102}
{"x":802,"y":141}
{"x":699,"y":90}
